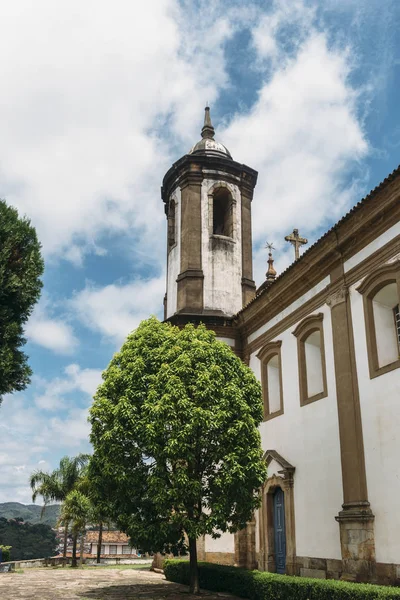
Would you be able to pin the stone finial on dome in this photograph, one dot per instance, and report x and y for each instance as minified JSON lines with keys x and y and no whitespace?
{"x":208,"y":130}
{"x":271,"y":273}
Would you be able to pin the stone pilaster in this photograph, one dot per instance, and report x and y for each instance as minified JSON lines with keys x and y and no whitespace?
{"x":356,"y":518}
{"x":190,"y":278}
{"x":245,"y":547}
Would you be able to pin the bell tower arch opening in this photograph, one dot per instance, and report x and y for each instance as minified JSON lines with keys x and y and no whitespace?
{"x":222,"y":208}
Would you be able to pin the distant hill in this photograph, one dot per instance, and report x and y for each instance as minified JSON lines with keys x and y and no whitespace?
{"x":30,"y":512}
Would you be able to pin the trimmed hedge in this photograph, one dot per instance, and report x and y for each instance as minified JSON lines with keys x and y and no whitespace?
{"x":257,"y":585}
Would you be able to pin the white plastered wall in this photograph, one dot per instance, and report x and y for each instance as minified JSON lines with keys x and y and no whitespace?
{"x":229,"y":341}
{"x":225,"y":543}
{"x":370,"y":248}
{"x":380,"y":413}
{"x":308,"y":438}
{"x":222,"y":263}
{"x":174,"y":259}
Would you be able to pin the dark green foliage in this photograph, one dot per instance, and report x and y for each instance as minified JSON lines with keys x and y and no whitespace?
{"x":256,"y":585}
{"x":30,"y":513}
{"x":5,"y":553}
{"x":21,"y":266}
{"x":174,"y":430}
{"x":27,"y":541}
{"x":213,"y":577}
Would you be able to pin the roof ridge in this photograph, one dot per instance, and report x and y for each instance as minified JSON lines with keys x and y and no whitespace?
{"x":352,"y":210}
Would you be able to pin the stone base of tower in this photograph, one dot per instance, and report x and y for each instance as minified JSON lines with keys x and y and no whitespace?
{"x":224,"y":327}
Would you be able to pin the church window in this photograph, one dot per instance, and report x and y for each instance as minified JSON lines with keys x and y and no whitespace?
{"x":171,"y":224}
{"x":381,"y":292}
{"x":222,"y":207}
{"x":271,"y":379}
{"x":311,"y":359}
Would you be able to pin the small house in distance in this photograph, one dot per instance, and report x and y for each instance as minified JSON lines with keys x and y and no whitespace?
{"x":114,"y":543}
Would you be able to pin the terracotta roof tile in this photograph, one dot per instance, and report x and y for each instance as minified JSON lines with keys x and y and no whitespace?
{"x":109,"y":537}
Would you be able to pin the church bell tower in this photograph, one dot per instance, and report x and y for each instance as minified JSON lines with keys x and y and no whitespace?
{"x":207,"y":198}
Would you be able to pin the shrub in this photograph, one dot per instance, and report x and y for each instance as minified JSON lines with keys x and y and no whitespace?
{"x":5,"y":553}
{"x":257,"y":585}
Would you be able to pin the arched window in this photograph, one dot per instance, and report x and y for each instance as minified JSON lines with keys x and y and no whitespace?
{"x":171,"y":224}
{"x":381,"y":292}
{"x":222,"y":212}
{"x":311,"y":357}
{"x":271,"y":379}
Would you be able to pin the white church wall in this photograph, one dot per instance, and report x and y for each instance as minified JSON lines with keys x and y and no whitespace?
{"x":308,"y":437}
{"x":321,"y":285}
{"x":372,"y":247}
{"x":225,"y":543}
{"x":229,"y":341}
{"x":222,"y":260}
{"x":174,"y":259}
{"x":380,"y":414}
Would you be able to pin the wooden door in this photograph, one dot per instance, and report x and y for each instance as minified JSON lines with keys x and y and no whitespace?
{"x":279,"y":531}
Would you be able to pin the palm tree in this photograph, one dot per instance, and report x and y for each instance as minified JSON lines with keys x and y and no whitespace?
{"x":55,"y":486}
{"x":78,"y":510}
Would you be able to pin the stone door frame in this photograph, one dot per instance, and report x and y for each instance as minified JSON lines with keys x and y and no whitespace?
{"x":285,"y":481}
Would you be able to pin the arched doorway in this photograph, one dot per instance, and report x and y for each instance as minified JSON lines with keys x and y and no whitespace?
{"x":276,"y":519}
{"x":279,"y":530}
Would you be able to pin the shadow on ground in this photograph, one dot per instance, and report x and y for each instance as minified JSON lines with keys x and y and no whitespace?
{"x":135,"y":592}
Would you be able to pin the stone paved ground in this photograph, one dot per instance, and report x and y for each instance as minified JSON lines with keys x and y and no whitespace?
{"x":93,"y":584}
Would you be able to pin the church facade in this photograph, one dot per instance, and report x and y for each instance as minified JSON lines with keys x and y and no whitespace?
{"x":323,"y":338}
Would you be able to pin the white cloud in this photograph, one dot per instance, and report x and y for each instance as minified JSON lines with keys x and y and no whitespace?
{"x":84,"y":381}
{"x":91,"y":91}
{"x":53,"y":333}
{"x":31,"y":440}
{"x":115,"y":310}
{"x":302,"y":135}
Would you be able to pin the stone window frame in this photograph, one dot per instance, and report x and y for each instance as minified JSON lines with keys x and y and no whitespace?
{"x":217,"y":185}
{"x":264,"y":355}
{"x":370,"y":286}
{"x":305,"y":328}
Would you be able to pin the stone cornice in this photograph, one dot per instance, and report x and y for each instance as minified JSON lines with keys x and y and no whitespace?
{"x":190,"y":167}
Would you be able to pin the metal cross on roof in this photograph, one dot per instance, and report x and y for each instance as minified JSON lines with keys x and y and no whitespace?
{"x":296,"y":241}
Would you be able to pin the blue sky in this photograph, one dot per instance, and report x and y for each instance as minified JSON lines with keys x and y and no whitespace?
{"x":99,"y":98}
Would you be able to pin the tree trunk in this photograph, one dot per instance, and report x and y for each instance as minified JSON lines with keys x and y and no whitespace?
{"x":81,"y":548}
{"x":65,"y":539}
{"x":194,"y":570}
{"x":100,"y":541}
{"x":74,"y":542}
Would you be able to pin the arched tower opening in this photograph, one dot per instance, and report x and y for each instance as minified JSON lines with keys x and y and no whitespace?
{"x":222,"y":206}
{"x":171,"y":224}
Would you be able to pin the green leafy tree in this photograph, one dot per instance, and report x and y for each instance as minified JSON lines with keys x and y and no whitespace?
{"x":177,"y":452}
{"x":21,"y":267}
{"x":27,"y":541}
{"x":55,"y":486}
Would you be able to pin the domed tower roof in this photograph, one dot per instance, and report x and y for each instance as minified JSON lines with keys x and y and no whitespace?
{"x":208,"y":146}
